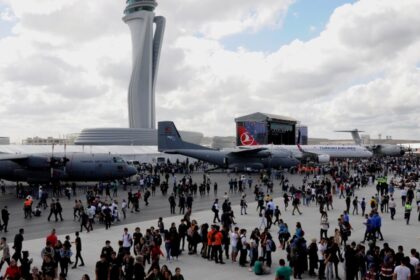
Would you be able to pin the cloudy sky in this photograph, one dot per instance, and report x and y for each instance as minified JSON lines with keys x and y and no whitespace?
{"x":333,"y":64}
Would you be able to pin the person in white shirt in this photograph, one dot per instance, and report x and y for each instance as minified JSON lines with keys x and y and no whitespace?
{"x":234,"y":236}
{"x":127,"y":240}
{"x":322,"y":246}
{"x":413,"y":260}
{"x":392,"y":207}
{"x":403,"y":196}
{"x":270,"y":205}
{"x":263,"y":222}
{"x":124,"y":208}
{"x":402,"y":272}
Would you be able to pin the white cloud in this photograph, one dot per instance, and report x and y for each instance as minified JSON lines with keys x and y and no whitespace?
{"x":68,"y":64}
{"x":7,"y":15}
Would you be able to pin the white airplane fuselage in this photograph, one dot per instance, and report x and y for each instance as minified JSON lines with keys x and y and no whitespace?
{"x":333,"y":151}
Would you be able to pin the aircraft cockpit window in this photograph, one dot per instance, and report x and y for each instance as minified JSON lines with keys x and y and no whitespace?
{"x":118,"y":160}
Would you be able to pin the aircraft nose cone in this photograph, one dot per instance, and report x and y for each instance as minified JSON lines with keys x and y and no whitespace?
{"x":294,"y":162}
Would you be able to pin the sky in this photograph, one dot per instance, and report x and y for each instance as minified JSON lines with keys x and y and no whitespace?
{"x":332,"y":64}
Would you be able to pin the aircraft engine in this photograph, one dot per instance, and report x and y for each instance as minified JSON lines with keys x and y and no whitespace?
{"x":323,"y":158}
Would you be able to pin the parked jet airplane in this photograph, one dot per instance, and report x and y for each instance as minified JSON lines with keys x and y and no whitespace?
{"x":316,"y":153}
{"x":323,"y":153}
{"x":169,"y":141}
{"x":44,"y":168}
{"x":377,"y":149}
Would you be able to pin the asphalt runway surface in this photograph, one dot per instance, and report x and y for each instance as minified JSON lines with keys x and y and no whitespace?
{"x":38,"y":227}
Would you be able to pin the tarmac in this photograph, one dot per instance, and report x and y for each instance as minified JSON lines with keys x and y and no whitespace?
{"x":395,"y":232}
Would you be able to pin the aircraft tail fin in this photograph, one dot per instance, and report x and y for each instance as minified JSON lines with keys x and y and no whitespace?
{"x":354,"y":134}
{"x":169,"y":139}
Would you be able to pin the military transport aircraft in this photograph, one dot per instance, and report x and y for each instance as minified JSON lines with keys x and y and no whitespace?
{"x":45,"y":168}
{"x":169,"y":141}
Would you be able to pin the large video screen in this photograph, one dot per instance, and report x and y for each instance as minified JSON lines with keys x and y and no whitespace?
{"x":251,"y":133}
{"x":281,"y":134}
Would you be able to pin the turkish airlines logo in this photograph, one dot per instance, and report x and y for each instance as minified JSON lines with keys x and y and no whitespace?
{"x":247,"y":139}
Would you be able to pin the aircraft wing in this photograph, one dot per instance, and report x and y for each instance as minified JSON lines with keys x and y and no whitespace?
{"x":13,"y":157}
{"x":244,"y":152}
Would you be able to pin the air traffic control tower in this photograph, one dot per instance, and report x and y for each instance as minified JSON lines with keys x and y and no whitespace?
{"x":146,"y":44}
{"x":146,"y":36}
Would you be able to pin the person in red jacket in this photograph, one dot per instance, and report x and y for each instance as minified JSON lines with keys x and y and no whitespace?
{"x":13,"y":271}
{"x":52,"y":238}
{"x":156,"y":252}
{"x":217,"y":239}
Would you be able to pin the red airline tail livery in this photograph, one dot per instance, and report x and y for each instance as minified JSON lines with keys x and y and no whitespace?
{"x":245,"y":137}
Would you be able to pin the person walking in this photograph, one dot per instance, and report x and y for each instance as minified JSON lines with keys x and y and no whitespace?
{"x":78,"y":243}
{"x":59,"y":209}
{"x":277,"y":214}
{"x":53,"y":210}
{"x":4,"y":247}
{"x":5,"y":217}
{"x":295,"y":204}
{"x":172,"y":203}
{"x":17,"y":245}
{"x":215,"y":209}
{"x":392,"y":206}
{"x":243,"y":205}
{"x":107,"y":216}
{"x":407,"y":211}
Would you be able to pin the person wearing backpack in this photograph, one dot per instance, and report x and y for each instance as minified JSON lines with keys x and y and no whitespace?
{"x":270,"y":247}
{"x":127,"y":240}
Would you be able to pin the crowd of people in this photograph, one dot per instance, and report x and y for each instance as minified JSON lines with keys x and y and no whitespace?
{"x":138,"y":255}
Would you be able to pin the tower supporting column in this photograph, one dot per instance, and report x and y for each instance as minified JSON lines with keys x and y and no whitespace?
{"x":146,"y":47}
